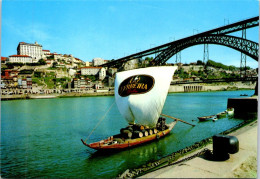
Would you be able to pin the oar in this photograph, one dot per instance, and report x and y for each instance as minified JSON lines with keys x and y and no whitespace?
{"x":177,"y":119}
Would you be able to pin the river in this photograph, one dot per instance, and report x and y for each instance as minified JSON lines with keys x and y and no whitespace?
{"x":41,"y":137}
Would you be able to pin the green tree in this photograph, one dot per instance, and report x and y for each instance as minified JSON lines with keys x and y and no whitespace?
{"x":199,"y":62}
{"x":42,"y":62}
{"x":54,"y":64}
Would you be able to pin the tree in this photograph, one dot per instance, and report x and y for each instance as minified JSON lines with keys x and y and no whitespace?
{"x":42,"y":62}
{"x":199,"y":62}
{"x":54,"y":64}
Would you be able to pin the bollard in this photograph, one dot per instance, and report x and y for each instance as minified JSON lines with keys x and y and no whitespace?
{"x":223,"y":146}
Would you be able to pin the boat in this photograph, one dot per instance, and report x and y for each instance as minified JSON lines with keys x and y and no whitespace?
{"x":214,"y":119}
{"x":230,"y":111}
{"x":206,"y":118}
{"x":140,"y":95}
{"x":221,"y":114}
{"x":244,"y":95}
{"x":121,"y":141}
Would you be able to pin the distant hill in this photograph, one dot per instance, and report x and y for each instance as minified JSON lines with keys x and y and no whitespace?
{"x":220,"y":65}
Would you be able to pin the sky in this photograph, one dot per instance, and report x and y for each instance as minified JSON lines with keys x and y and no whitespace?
{"x":112,"y":29}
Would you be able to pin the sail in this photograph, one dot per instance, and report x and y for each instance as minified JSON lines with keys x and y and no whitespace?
{"x":141,"y":93}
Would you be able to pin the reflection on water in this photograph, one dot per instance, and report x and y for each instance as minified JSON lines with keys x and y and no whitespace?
{"x":41,"y":137}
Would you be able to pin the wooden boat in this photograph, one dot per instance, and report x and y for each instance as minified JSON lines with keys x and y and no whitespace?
{"x":221,"y":114}
{"x":230,"y":111}
{"x":117,"y":142}
{"x":140,"y":95}
{"x":205,"y":118}
{"x":244,"y":95}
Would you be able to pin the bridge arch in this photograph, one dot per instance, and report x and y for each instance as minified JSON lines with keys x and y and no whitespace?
{"x":245,"y":46}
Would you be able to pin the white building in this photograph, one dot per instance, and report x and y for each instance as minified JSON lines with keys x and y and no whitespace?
{"x":131,"y":64}
{"x":98,"y":61}
{"x":33,"y":50}
{"x":46,"y":52}
{"x":94,"y":71}
{"x":20,"y":59}
{"x":72,"y":72}
{"x":102,"y":73}
{"x":88,"y":64}
{"x":190,"y":68}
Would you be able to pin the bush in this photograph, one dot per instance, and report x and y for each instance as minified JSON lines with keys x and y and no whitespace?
{"x":26,"y":72}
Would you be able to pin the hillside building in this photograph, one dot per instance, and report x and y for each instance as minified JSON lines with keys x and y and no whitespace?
{"x":101,"y":72}
{"x":98,"y":61}
{"x":20,"y":59}
{"x":32,"y":50}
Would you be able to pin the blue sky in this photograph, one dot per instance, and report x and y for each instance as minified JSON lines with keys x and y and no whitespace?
{"x":112,"y":29}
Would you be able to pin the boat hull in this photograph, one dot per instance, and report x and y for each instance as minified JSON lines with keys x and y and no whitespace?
{"x":221,"y":115}
{"x":108,"y":144}
{"x":206,"y":118}
{"x":230,"y":111}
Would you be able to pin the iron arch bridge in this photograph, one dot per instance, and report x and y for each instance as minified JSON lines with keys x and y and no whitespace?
{"x":247,"y":47}
{"x":215,"y":36}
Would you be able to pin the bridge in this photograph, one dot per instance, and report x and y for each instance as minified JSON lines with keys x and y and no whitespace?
{"x":215,"y":36}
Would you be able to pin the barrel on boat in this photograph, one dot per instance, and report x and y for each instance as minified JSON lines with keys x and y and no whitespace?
{"x":145,"y":132}
{"x":155,"y":131}
{"x":126,"y":133}
{"x":138,"y":134}
{"x":150,"y":131}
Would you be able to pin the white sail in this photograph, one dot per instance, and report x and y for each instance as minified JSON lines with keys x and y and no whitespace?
{"x":141,"y":93}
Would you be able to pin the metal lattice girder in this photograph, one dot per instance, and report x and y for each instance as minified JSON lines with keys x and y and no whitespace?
{"x":247,"y":47}
{"x":167,"y":49}
{"x":248,"y":23}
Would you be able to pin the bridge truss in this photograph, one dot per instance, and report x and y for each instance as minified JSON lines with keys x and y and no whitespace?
{"x":215,"y":36}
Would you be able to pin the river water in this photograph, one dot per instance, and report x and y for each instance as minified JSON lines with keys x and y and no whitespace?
{"x":41,"y":137}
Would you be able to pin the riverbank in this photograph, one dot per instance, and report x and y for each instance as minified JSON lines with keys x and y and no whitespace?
{"x":242,"y":164}
{"x":63,"y":95}
{"x":172,"y":89}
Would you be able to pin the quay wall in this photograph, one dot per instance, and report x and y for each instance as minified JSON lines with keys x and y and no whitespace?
{"x":200,"y":87}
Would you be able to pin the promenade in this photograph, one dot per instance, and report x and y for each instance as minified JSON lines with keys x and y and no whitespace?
{"x":240,"y":165}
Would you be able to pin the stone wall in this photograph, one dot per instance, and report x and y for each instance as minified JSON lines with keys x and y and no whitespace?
{"x":198,"y":87}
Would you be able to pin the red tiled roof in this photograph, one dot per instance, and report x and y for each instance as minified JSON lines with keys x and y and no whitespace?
{"x":46,"y":50}
{"x":19,"y":56}
{"x":3,"y":58}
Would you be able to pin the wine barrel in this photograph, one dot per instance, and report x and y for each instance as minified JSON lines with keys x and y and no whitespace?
{"x":155,"y":131}
{"x":150,"y":131}
{"x":139,"y":127}
{"x":130,"y":129}
{"x":145,"y":132}
{"x":138,"y":134}
{"x":127,"y":133}
{"x":119,"y":140}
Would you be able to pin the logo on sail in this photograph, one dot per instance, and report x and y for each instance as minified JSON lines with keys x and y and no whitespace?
{"x":137,"y":84}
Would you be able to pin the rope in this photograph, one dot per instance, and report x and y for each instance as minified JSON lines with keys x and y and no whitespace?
{"x":102,"y":118}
